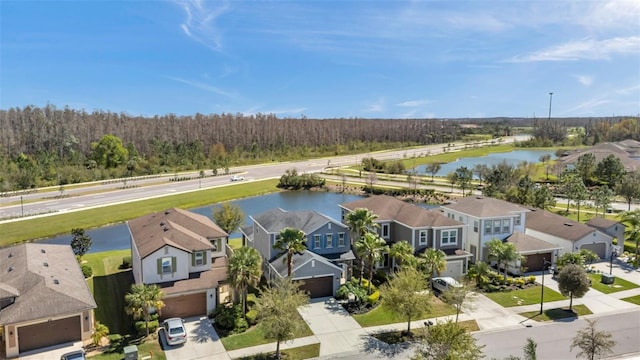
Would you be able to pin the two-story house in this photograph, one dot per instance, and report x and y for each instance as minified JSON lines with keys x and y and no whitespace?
{"x":185,"y":255}
{"x":44,"y":299}
{"x":422,"y":228}
{"x":322,"y":267}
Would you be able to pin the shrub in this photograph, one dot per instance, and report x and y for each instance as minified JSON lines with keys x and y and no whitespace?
{"x":352,"y":287}
{"x":141,"y":327}
{"x":240,"y":325}
{"x":126,"y":263}
{"x":380,"y":277}
{"x":374,"y":297}
{"x":251,"y":300}
{"x":510,"y":281}
{"x":226,"y":315}
{"x":252,"y":316}
{"x":531,"y":279}
{"x":519,"y":282}
{"x":87,"y":271}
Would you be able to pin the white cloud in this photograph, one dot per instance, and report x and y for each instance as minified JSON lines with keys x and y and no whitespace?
{"x":584,"y":49}
{"x":294,"y":111}
{"x":588,"y":107}
{"x":200,"y":22}
{"x":584,"y":79}
{"x":629,"y":90}
{"x":414,"y":103}
{"x":202,"y":86}
{"x":377,"y":106}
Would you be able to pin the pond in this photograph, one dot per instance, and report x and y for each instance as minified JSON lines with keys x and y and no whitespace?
{"x":513,"y":158}
{"x":116,"y":237}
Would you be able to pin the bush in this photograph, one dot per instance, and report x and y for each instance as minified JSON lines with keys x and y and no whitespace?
{"x":352,"y":287}
{"x":531,"y":279}
{"x":380,"y":277}
{"x":87,"y":271}
{"x":510,"y":281}
{"x":141,"y":327}
{"x":519,"y":282}
{"x":252,"y":316}
{"x":240,"y":325}
{"x":225,"y":316}
{"x":374,"y":297}
{"x":126,"y":263}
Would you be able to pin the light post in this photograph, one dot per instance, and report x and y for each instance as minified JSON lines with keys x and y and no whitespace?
{"x":544,"y":270}
{"x":613,"y":254}
{"x":22,"y":205}
{"x":550,"y":98}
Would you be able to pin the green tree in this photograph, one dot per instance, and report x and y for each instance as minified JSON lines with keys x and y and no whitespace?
{"x":530,"y":350}
{"x":448,"y":341}
{"x":81,"y":242}
{"x":629,"y":188}
{"x":360,"y":221}
{"x":434,"y":261}
{"x":433,"y":168}
{"x":593,"y":343}
{"x":543,"y":198}
{"x":290,"y":241}
{"x":403,"y":251}
{"x":277,"y":311}
{"x":585,"y":166}
{"x":109,"y":151}
{"x":404,"y":295}
{"x":574,"y":258}
{"x":573,"y":282}
{"x":481,"y":171}
{"x":480,"y":273}
{"x":141,"y":300}
{"x":631,"y":221}
{"x":100,"y":331}
{"x":610,"y":170}
{"x":461,"y":298}
{"x":371,"y":247}
{"x":544,"y":159}
{"x":602,"y":197}
{"x":463,"y":178}
{"x":245,"y":269}
{"x":576,"y":191}
{"x":228,"y":216}
{"x":452,"y":178}
{"x":589,"y":256}
{"x":503,"y":253}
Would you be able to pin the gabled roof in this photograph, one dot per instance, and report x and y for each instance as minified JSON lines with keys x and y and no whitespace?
{"x":549,"y":223}
{"x":202,"y":280}
{"x":484,"y":207}
{"x":622,"y":150}
{"x":528,"y":244}
{"x":174,"y":227}
{"x":279,"y":264}
{"x":602,"y":223}
{"x":45,"y":280}
{"x":388,"y":208}
{"x":274,"y":220}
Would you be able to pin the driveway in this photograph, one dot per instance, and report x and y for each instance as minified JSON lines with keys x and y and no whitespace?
{"x":202,"y":342}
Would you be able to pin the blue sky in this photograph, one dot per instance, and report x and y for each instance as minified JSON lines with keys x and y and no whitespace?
{"x":324,"y":59}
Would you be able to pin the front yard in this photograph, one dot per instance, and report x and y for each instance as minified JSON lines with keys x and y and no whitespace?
{"x":379,"y":316}
{"x":253,"y":336}
{"x":526,"y":296}
{"x":557,"y":313}
{"x":618,"y":285}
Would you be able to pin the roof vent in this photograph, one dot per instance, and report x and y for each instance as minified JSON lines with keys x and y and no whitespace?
{"x":46,"y":264}
{"x":10,"y":269}
{"x":55,"y":281}
{"x":568,"y":224}
{"x":42,"y":251}
{"x":166,"y":229}
{"x":162,"y":223}
{"x":167,"y":212}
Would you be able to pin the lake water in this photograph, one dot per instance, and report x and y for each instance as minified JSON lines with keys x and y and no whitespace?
{"x":513,"y":158}
{"x":116,"y":237}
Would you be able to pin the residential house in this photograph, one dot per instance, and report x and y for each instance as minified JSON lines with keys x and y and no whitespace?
{"x":323,"y":267}
{"x":422,"y":228}
{"x":44,"y":299}
{"x":185,"y":254}
{"x":536,"y":254}
{"x":609,"y":227}
{"x":628,"y":151}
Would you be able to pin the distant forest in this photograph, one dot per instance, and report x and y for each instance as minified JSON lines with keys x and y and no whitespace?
{"x":42,"y":146}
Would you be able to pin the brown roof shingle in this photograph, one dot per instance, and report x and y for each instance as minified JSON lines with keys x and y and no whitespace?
{"x":484,"y":207}
{"x":47,"y":280}
{"x":200,"y":280}
{"x":601,"y":223}
{"x":389,"y":208}
{"x":557,"y":225}
{"x":526,"y":243}
{"x":175,"y":227}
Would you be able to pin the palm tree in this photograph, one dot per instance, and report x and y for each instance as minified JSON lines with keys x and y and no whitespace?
{"x":631,"y":220}
{"x":141,"y":299}
{"x":245,"y":268}
{"x":100,"y":330}
{"x":503,"y":253}
{"x":480,"y":272}
{"x":371,"y":246}
{"x":290,"y":241}
{"x":434,"y":261}
{"x":403,"y":251}
{"x":360,"y":221}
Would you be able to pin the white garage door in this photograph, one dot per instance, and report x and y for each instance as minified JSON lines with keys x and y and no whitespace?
{"x":454,"y":269}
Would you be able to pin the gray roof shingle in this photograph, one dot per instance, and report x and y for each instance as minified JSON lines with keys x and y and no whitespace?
{"x":526,"y":243}
{"x":274,"y":220}
{"x":484,"y":207}
{"x":549,"y":223}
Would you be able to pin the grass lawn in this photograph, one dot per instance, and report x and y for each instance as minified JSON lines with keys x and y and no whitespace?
{"x":235,"y":243}
{"x":455,"y":155}
{"x":53,"y":225}
{"x":380,"y":316}
{"x":633,"y":299}
{"x":395,"y":337}
{"x":147,"y":347}
{"x":618,"y":285}
{"x":253,"y":337}
{"x":298,"y":353}
{"x":526,"y":296}
{"x":557,"y":313}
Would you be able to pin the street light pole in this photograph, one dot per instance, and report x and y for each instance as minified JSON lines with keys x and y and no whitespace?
{"x":544,"y":270}
{"x":550,"y":98}
{"x":613,"y":254}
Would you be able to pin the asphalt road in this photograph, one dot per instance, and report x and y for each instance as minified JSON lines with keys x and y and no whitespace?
{"x":48,"y":201}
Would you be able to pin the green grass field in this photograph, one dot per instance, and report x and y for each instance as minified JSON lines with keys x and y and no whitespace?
{"x":298,"y":353}
{"x":48,"y":226}
{"x":381,"y":316}
{"x":618,"y":285}
{"x":633,"y":299}
{"x":253,"y":337}
{"x":526,"y":296}
{"x":557,"y":313}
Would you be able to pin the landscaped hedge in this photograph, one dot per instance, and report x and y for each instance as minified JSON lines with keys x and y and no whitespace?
{"x":141,"y":327}
{"x":87,"y":271}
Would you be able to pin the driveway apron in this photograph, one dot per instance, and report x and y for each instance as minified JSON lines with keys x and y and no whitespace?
{"x":202,"y":342}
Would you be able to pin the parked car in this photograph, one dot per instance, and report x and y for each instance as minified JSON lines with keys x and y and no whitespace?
{"x":237,"y":178}
{"x":74,"y":355}
{"x":443,"y":284}
{"x":174,"y":331}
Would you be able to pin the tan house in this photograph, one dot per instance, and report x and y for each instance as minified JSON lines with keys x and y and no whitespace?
{"x":185,"y":254}
{"x":44,"y":299}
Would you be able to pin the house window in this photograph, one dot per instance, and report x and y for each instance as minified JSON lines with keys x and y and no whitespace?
{"x":199,"y":258}
{"x":460,"y":218}
{"x":329,"y":240}
{"x":423,"y":237}
{"x":487,"y":227}
{"x":167,"y":265}
{"x":329,"y":226}
{"x":340,"y":239}
{"x":516,"y":221}
{"x":505,"y":225}
{"x":316,"y":241}
{"x":385,"y":231}
{"x":449,"y":237}
{"x":496,"y":226}
{"x":475,"y":226}
{"x":384,"y":261}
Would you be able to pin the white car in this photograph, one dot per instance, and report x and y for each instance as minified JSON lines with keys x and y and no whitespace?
{"x":237,"y":178}
{"x":174,"y":331}
{"x":443,"y":284}
{"x":75,"y":355}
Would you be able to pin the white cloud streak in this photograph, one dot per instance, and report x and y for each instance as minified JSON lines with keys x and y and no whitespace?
{"x":584,"y":79}
{"x":200,"y":22}
{"x":202,"y":86}
{"x":584,"y":49}
{"x":414,"y":103}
